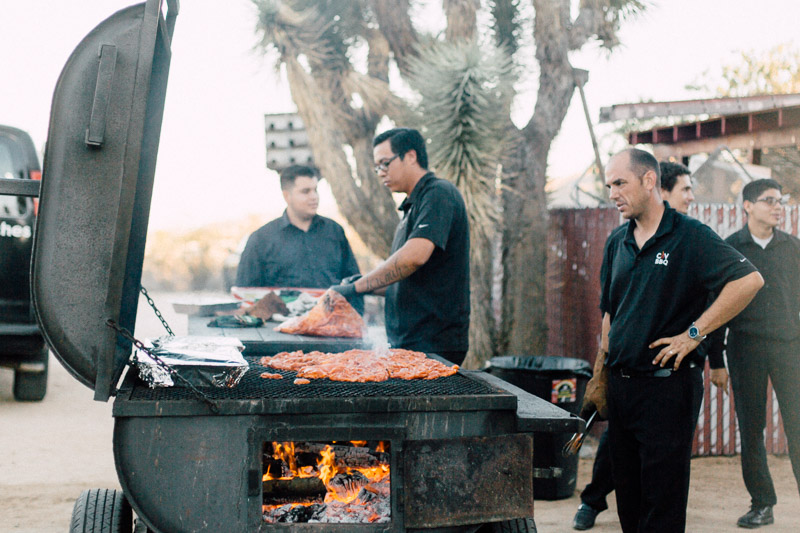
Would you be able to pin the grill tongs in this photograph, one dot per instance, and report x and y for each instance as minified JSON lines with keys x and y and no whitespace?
{"x":574,"y":444}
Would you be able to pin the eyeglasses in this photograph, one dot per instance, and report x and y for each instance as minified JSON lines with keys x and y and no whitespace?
{"x":772,"y":200}
{"x":384,"y":165}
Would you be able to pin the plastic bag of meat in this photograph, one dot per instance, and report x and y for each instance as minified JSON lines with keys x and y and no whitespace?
{"x":332,"y":316}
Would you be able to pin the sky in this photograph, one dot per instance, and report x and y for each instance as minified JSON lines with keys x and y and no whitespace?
{"x":212,"y":156}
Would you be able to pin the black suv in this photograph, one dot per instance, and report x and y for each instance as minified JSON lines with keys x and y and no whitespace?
{"x":21,"y":344}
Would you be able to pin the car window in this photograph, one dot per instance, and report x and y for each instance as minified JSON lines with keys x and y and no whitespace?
{"x":10,"y":206}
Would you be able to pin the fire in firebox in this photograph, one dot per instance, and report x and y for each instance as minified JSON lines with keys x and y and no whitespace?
{"x":332,"y":482}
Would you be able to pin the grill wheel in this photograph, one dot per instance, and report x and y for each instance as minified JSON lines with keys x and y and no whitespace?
{"x":519,"y":525}
{"x":101,"y":511}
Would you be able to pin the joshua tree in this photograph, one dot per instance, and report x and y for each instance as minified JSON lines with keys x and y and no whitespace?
{"x":338,"y":56}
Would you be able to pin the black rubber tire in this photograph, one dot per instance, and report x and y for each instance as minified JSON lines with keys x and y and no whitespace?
{"x":101,"y":511}
{"x":520,"y":525}
{"x":31,"y":386}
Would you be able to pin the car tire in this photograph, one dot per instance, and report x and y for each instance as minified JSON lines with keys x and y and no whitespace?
{"x":31,"y":386}
{"x":101,"y":511}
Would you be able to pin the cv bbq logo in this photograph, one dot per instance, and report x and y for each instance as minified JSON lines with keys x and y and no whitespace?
{"x":662,"y":258}
{"x":564,"y":390}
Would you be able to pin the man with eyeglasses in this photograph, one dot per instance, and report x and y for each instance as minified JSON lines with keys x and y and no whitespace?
{"x":426,"y":277}
{"x":764,"y":342}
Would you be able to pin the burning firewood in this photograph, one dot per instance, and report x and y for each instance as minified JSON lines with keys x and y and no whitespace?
{"x":353,"y":456}
{"x":348,"y":483}
{"x":327,"y":482}
{"x":299,"y":514}
{"x":296,"y":487}
{"x":367,"y":494}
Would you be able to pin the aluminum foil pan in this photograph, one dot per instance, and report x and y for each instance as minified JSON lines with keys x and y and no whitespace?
{"x":202,"y":361}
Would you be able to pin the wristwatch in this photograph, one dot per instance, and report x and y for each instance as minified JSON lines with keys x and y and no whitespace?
{"x":694,"y":333}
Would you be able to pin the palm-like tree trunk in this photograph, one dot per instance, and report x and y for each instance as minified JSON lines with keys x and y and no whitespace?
{"x":314,"y":39}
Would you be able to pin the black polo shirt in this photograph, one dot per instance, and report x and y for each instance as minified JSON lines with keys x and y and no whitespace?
{"x":279,"y":254}
{"x":429,"y":310}
{"x":660,"y":290}
{"x":774,"y":313}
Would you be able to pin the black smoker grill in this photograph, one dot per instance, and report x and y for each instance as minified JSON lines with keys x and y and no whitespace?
{"x":460,"y":447}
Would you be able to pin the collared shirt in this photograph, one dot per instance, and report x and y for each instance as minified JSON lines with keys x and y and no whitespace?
{"x":660,"y":290}
{"x":774,"y":313}
{"x":279,"y":254}
{"x":429,"y":310}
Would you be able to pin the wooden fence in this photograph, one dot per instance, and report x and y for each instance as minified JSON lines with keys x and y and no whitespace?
{"x":575,"y":252}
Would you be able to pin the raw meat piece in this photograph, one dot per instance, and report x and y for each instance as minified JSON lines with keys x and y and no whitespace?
{"x":332,"y":316}
{"x":360,"y":365}
{"x":267,"y":306}
{"x":270,"y":375}
{"x":353,"y":366}
{"x":290,"y":360}
{"x":301,"y":381}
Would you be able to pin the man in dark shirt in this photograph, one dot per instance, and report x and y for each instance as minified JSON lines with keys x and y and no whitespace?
{"x":676,"y":190}
{"x":301,"y":248}
{"x":426,"y":278}
{"x":657,"y":274}
{"x":676,"y":186}
{"x":763,"y":342}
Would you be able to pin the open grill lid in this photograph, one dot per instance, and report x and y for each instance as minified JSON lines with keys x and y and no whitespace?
{"x":97,"y":183}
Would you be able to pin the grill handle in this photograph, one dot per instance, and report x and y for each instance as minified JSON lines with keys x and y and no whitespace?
{"x":95,"y":133}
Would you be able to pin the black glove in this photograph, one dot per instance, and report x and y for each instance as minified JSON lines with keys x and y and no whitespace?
{"x":350,"y":279}
{"x":348,"y":290}
{"x":596,"y":396}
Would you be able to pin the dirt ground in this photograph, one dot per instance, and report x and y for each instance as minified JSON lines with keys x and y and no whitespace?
{"x":52,"y":450}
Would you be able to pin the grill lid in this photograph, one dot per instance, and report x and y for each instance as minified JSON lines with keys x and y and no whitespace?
{"x":99,"y":163}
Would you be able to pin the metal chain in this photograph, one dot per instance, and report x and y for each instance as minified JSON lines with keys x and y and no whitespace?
{"x":155,"y":310}
{"x":136,"y":342}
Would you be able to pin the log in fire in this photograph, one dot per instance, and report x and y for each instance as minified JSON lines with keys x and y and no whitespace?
{"x":332,"y":482}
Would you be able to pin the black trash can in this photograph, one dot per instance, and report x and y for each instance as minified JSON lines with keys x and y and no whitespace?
{"x":561,"y":381}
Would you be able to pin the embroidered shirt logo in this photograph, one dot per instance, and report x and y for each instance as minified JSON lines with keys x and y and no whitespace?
{"x":662,"y":258}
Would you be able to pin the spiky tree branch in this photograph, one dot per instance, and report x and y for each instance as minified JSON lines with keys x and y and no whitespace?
{"x":325,"y":89}
{"x":463,"y":87}
{"x":341,"y":106}
{"x":394,"y":19}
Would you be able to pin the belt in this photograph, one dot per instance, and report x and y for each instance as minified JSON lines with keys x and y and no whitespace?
{"x":657,"y":373}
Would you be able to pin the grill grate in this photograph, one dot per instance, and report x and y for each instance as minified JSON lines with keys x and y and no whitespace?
{"x":253,"y":387}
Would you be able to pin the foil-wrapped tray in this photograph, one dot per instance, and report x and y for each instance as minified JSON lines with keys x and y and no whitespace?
{"x":202,"y":361}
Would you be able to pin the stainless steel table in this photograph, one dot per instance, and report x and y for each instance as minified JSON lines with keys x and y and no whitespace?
{"x":266,"y":341}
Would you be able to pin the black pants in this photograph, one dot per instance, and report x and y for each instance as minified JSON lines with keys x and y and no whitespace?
{"x":650,"y":429}
{"x":601,"y":484}
{"x":751,"y":362}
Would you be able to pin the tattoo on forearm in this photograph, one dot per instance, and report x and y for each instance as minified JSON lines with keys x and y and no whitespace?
{"x":394,"y":272}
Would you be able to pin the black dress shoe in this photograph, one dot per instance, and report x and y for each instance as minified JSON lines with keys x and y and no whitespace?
{"x":584,"y":518}
{"x":757,"y":516}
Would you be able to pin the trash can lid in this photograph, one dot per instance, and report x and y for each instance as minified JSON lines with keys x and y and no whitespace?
{"x":543,"y":364}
